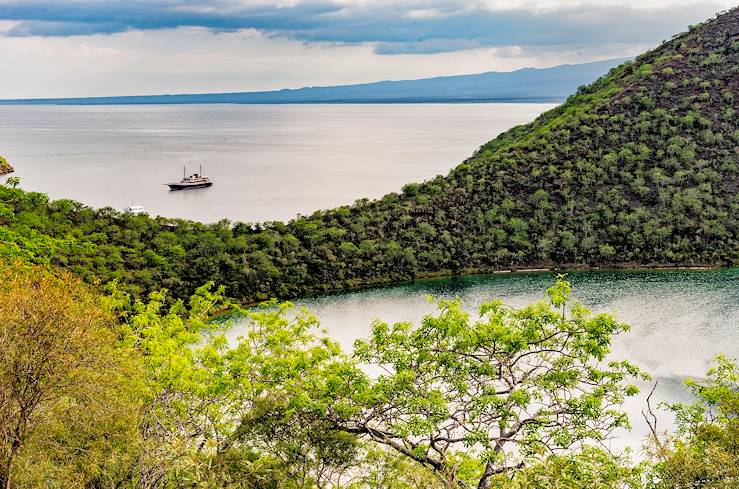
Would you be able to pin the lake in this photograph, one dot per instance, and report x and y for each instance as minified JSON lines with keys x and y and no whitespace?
{"x":268,"y":162}
{"x":679,"y":319}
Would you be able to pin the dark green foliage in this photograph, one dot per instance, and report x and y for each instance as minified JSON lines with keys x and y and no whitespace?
{"x":639,"y":168}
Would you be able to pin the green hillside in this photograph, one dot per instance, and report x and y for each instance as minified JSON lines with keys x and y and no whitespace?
{"x":639,"y":168}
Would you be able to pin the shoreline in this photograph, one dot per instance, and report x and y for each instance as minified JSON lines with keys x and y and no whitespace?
{"x":629,"y":267}
{"x":5,"y":167}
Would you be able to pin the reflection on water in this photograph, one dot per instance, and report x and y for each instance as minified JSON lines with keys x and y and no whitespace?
{"x":679,"y":319}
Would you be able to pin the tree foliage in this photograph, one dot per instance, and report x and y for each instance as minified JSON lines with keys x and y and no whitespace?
{"x":226,"y":411}
{"x":473,"y":400}
{"x":67,"y":410}
{"x":119,"y":392}
{"x":704,"y":452}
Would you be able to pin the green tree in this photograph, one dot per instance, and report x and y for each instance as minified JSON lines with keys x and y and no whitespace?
{"x":591,"y":468}
{"x":474,"y":400}
{"x":225,"y":411}
{"x":705,"y":449}
{"x":68,"y":396}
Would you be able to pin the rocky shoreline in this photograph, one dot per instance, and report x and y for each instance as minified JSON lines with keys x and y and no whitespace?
{"x":5,"y":167}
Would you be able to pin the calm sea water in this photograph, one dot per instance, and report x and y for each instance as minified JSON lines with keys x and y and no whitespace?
{"x":268,"y":162}
{"x":680,"y":319}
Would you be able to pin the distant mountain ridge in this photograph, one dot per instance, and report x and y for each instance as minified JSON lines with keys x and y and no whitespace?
{"x":524,"y":85}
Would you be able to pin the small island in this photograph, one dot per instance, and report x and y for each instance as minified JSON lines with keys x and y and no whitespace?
{"x":5,"y":167}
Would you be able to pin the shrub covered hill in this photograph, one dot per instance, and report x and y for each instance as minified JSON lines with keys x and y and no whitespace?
{"x":639,"y":168}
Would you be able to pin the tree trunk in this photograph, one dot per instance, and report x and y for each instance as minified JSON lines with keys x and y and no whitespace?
{"x":6,"y":464}
{"x":486,"y":477}
{"x":5,"y":473}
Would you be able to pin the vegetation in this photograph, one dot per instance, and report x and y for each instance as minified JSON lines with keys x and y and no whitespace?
{"x":705,"y":450}
{"x":148,"y":396}
{"x":135,"y":384}
{"x":639,"y":168}
{"x":513,"y":385}
{"x":67,"y":413}
{"x":5,"y":166}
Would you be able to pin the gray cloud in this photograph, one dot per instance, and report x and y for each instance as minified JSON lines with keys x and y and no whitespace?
{"x":392,"y":29}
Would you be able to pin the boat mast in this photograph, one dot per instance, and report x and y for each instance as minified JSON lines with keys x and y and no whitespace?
{"x":184,"y":171}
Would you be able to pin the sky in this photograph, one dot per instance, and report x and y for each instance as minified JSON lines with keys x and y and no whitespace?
{"x":71,"y":48}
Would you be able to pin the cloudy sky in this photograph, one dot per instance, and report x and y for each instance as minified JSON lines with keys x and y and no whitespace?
{"x":53,"y":48}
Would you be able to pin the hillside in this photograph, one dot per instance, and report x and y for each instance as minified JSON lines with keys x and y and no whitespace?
{"x":525,"y":85}
{"x":639,"y":168}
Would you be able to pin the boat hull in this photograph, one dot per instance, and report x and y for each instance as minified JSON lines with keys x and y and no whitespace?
{"x":187,"y":186}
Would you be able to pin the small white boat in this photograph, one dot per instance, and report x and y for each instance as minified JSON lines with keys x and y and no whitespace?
{"x":134,"y":209}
